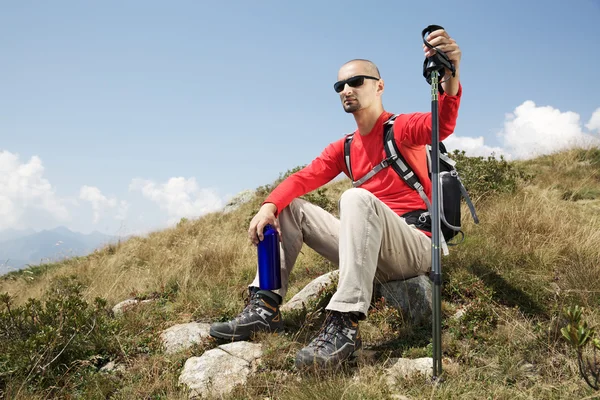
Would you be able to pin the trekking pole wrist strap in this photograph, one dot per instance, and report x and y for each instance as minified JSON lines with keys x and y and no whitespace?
{"x":437,"y":62}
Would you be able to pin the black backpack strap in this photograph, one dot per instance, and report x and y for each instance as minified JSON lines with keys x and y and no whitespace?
{"x":347,"y":142}
{"x":403,"y":169}
{"x":384,"y":164}
{"x":450,"y":165}
{"x":400,"y":165}
{"x":467,"y":198}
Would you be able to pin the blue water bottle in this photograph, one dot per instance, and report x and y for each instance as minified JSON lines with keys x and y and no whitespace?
{"x":269,"y":263}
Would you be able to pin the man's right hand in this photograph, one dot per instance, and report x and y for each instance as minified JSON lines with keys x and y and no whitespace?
{"x":264,"y":217}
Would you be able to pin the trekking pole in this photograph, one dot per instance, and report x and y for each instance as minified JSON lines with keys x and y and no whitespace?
{"x":433,"y":69}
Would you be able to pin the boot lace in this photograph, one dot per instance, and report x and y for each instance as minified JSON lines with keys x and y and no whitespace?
{"x":334,"y":323}
{"x":252,"y":302}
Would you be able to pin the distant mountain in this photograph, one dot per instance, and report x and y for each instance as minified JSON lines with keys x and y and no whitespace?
{"x":4,"y":268}
{"x":47,"y":246}
{"x":9,"y":234}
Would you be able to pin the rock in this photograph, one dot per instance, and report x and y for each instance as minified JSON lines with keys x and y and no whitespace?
{"x":125,"y":305}
{"x":310,"y":292}
{"x":183,"y":336}
{"x":405,"y":368}
{"x":218,"y":371}
{"x":112,"y":366}
{"x":399,"y":397}
{"x":238,"y":200}
{"x":527,"y":369}
{"x":412,"y":296}
{"x":244,"y":350}
{"x":459,"y":313}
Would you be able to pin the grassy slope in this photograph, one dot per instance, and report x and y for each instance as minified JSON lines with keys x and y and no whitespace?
{"x":534,"y":252}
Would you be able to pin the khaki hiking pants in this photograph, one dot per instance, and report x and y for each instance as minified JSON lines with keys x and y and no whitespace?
{"x":369,"y":243}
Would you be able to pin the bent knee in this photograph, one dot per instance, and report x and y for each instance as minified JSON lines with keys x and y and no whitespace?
{"x":355,"y":196}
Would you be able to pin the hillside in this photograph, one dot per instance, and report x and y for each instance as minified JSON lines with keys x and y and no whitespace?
{"x":536,"y":251}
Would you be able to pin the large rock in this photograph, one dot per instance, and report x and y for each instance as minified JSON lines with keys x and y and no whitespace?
{"x":183,"y":336}
{"x":411,"y":296}
{"x":218,"y":371}
{"x":310,"y":292}
{"x":239,"y":199}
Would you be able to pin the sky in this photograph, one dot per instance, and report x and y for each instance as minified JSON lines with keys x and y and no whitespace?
{"x":125,"y":116}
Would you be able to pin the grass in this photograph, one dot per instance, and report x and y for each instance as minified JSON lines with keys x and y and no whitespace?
{"x":536,"y":250}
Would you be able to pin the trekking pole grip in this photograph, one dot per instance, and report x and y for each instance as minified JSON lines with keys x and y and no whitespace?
{"x":437,"y":62}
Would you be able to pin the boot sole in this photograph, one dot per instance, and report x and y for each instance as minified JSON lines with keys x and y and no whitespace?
{"x":351,"y":360}
{"x":228,"y":337}
{"x":239,"y":338}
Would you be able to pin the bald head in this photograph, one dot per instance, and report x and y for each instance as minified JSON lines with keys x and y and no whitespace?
{"x":367,"y":66}
{"x":360,"y":86}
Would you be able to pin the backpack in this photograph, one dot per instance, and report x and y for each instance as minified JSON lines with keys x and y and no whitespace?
{"x":451,"y":188}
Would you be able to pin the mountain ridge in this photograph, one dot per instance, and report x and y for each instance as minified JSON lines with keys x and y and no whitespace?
{"x":48,"y":245}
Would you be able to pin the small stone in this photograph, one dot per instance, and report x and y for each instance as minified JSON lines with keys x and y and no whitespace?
{"x":527,"y":368}
{"x":125,"y":305}
{"x":112,"y":366}
{"x":459,"y":313}
{"x":405,"y":368}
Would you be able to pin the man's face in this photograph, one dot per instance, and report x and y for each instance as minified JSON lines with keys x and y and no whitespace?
{"x":360,"y":97}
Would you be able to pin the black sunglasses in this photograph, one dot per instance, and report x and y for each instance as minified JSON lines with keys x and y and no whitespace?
{"x":355,"y":81}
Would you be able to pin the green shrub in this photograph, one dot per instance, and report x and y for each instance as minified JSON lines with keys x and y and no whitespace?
{"x":483,"y":177}
{"x":591,"y":155}
{"x":41,"y":342}
{"x":32,"y":272}
{"x":585,"y":193}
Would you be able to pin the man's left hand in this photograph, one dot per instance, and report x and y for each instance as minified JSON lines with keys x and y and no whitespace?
{"x":442,"y":41}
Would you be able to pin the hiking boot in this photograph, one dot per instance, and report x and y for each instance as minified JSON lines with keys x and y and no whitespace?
{"x":261,"y":314}
{"x":339,"y":340}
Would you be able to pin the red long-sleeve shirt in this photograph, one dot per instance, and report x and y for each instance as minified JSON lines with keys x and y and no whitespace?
{"x":411,"y":131}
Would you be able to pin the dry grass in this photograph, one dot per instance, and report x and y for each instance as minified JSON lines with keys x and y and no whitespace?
{"x":534,"y":252}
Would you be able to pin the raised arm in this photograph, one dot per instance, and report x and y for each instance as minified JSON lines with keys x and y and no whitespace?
{"x":415,"y":128}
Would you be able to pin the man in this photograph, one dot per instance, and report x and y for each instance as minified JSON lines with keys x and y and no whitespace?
{"x":371,"y":240}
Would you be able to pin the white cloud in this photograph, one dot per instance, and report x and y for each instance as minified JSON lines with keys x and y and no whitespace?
{"x":101,"y":203}
{"x":180,"y":197}
{"x":24,"y":190}
{"x":473,"y":147}
{"x":594,"y":123}
{"x":530,"y":130}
